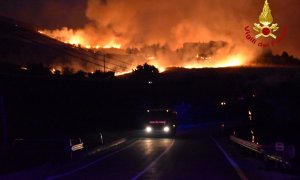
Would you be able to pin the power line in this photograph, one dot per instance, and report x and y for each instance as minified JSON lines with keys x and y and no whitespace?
{"x":67,"y":52}
{"x":64,"y":48}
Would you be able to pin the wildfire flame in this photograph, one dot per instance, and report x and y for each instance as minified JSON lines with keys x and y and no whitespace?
{"x":112,"y":44}
{"x":77,"y":38}
{"x":231,"y":61}
{"x":135,"y":31}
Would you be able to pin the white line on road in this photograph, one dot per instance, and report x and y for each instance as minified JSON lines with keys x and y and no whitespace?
{"x":231,"y":161}
{"x":68,"y":173}
{"x":153,"y":162}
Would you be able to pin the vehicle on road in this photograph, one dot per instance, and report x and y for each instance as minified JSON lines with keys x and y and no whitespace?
{"x":160,"y":121}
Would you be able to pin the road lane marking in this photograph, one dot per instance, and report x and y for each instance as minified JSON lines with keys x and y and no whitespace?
{"x":68,"y":173}
{"x":231,"y":161}
{"x":115,"y":143}
{"x":153,"y":162}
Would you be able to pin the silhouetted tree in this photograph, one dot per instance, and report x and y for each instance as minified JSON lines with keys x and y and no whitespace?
{"x":57,"y":73}
{"x":267,"y":58}
{"x":38,"y":69}
{"x":285,"y":55}
{"x":68,"y":71}
{"x":146,"y":72}
{"x":99,"y":75}
{"x":80,"y":75}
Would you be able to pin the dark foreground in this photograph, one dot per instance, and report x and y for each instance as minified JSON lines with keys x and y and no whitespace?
{"x":53,"y":107}
{"x":188,"y":156}
{"x":192,"y":154}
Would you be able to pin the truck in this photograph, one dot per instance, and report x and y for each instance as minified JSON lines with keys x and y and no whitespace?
{"x":160,"y":121}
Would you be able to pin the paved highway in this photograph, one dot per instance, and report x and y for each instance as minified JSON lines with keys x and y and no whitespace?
{"x":188,"y":156}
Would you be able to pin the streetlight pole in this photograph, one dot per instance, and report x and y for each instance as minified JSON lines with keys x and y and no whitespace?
{"x":3,"y":124}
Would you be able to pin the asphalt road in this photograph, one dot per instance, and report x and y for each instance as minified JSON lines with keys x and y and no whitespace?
{"x":188,"y":156}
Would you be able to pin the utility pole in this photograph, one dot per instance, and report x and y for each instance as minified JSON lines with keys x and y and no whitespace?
{"x":104,"y":63}
{"x":3,"y":125}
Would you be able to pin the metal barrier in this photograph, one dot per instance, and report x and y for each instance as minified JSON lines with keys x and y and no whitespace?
{"x":250,"y":145}
{"x":268,"y":151}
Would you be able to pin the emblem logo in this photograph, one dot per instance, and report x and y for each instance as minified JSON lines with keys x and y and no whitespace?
{"x":265,"y":28}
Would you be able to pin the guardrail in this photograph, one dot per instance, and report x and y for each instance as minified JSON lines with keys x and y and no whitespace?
{"x":250,"y":145}
{"x":268,"y":152}
{"x":59,"y":148}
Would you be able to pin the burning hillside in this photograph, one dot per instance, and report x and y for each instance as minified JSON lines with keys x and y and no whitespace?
{"x":191,"y":55}
{"x":157,"y":34}
{"x":120,"y":35}
{"x":126,"y":27}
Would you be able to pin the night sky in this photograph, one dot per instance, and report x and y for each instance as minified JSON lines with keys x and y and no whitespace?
{"x":46,"y":13}
{"x":221,"y":18}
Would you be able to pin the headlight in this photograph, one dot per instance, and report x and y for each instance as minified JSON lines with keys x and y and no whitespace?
{"x":148,"y":129}
{"x":166,"y":129}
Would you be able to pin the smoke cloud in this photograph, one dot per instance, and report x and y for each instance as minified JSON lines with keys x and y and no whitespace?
{"x":148,"y":22}
{"x":137,"y":23}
